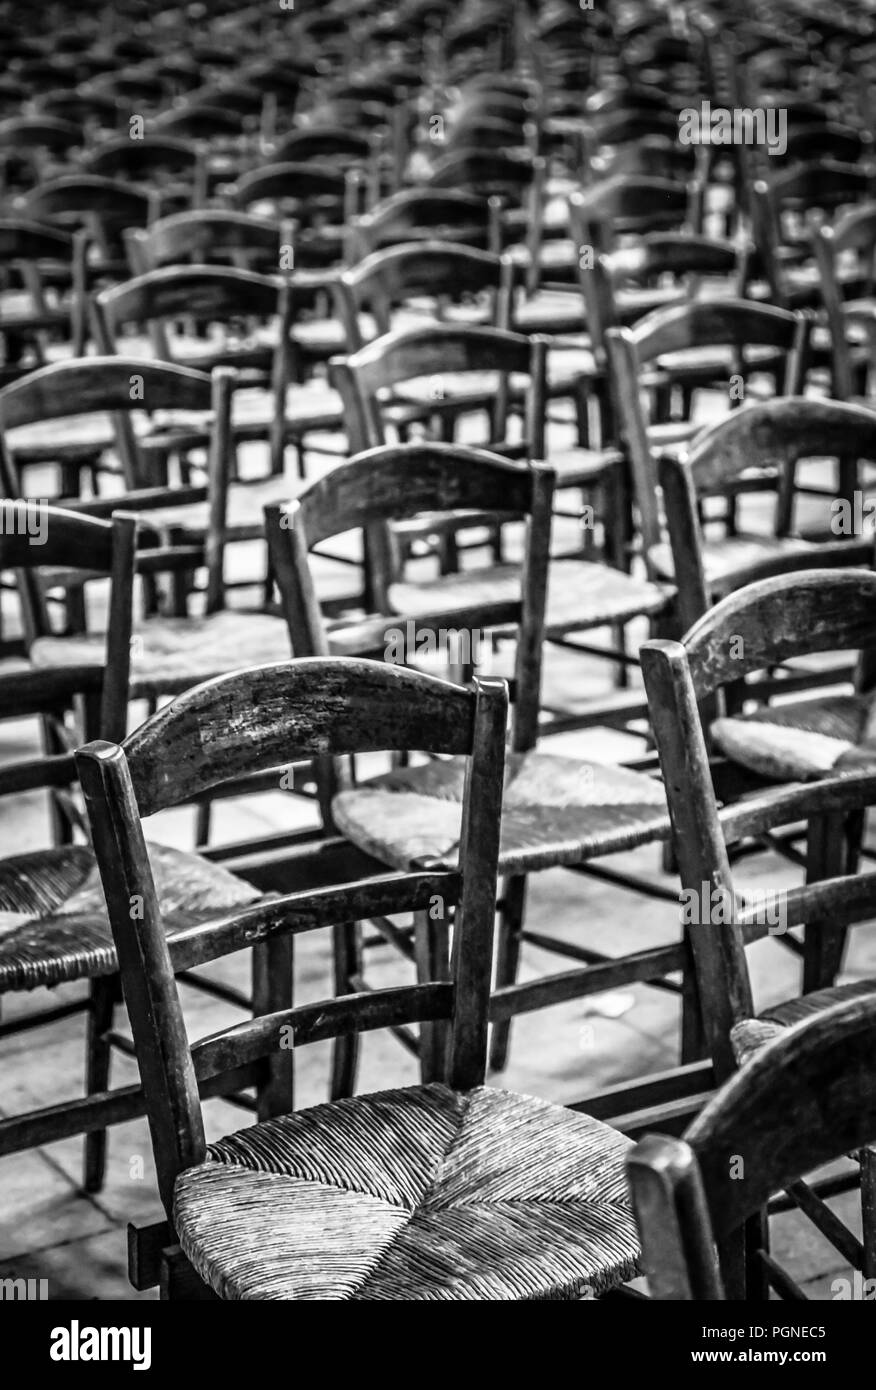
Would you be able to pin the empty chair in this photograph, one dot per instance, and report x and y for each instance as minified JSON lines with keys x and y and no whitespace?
{"x":312,"y":1225}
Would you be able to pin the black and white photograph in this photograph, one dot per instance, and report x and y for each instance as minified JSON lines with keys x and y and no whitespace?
{"x":438,"y":667}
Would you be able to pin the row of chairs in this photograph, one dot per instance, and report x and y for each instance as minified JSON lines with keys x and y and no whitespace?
{"x":399,"y":381}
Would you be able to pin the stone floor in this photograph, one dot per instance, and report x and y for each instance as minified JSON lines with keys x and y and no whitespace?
{"x":49,"y":1229}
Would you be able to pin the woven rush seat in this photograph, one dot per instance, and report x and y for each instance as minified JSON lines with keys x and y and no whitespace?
{"x":311,"y":406}
{"x":74,"y":437}
{"x":751,"y":1034}
{"x":170,"y":654}
{"x":245,"y":514}
{"x":581,"y":594}
{"x":729,"y":555}
{"x":804,"y":740}
{"x":424,"y":1193}
{"x":53,"y":923}
{"x":561,"y":311}
{"x":555,"y":811}
{"x":704,"y":362}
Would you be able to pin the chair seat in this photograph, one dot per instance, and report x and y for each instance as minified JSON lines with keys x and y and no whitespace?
{"x":732,"y":554}
{"x":424,"y":1193}
{"x":73,"y":437}
{"x":568,"y":365}
{"x":310,"y":406}
{"x":555,"y":810}
{"x":53,"y":923}
{"x":581,"y":594}
{"x":705,"y":363}
{"x":456,"y":390}
{"x":804,"y":740}
{"x":171,"y":654}
{"x":751,"y":1034}
{"x":245,"y":518}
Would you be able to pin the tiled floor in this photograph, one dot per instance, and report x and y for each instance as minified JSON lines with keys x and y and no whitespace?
{"x":50,"y":1229}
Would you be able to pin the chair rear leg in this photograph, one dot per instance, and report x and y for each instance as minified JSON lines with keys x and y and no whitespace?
{"x":273,"y":990}
{"x":105,"y":994}
{"x":432,"y":960}
{"x":511,"y":913}
{"x":347,"y":953}
{"x":830,"y":847}
{"x":867,"y":1159}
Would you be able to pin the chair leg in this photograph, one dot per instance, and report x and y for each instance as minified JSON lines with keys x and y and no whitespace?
{"x":273,"y":990}
{"x":105,"y":994}
{"x":824,"y":941}
{"x":202,"y":823}
{"x":347,"y":952}
{"x":867,"y":1158}
{"x":513,"y":904}
{"x":693,"y":1038}
{"x":432,"y":959}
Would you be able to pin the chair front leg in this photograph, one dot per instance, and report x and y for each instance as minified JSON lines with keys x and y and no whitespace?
{"x":105,"y":994}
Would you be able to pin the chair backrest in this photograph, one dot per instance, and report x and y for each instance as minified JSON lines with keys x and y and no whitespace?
{"x":212,"y":236}
{"x":397,"y":483}
{"x":33,"y":536}
{"x":252,"y":721}
{"x":775,"y":435}
{"x":804,"y":1099}
{"x":427,"y":353}
{"x":307,"y":190}
{"x":852,"y":236}
{"x":757,"y":628}
{"x":736,"y":324}
{"x":334,"y":146}
{"x":143,"y":159}
{"x":626,"y":205}
{"x":24,"y":240}
{"x":119,"y":386}
{"x":415,"y":214}
{"x":683,"y":256}
{"x":434,"y":269}
{"x":83,"y":199}
{"x":207,"y":295}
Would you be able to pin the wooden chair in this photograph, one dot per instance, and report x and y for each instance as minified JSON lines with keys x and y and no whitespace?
{"x":769,"y":442}
{"x":696,"y":345}
{"x":105,"y":404}
{"x":421,"y":214}
{"x":804,"y":1099}
{"x":97,"y":210}
{"x":322,"y":202}
{"x":211,"y":236}
{"x":301,"y":1220}
{"x":205,"y":295}
{"x":446,"y":370}
{"x":847,"y":293}
{"x":37,"y":308}
{"x":172,"y":167}
{"x":558,"y":810}
{"x":54,"y":920}
{"x":37,"y":145}
{"x":810,"y":611}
